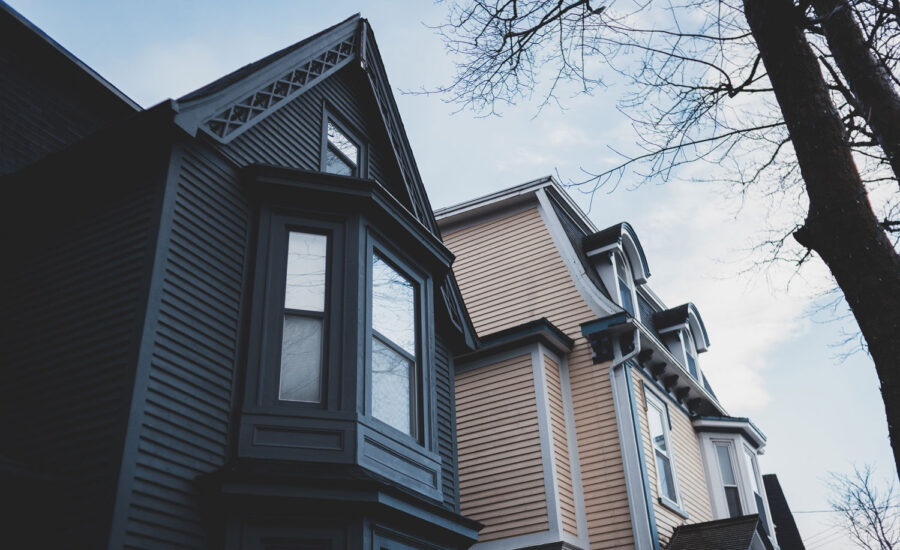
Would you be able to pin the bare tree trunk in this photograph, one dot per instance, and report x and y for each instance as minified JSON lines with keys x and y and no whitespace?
{"x":870,"y":84}
{"x":840,"y":225}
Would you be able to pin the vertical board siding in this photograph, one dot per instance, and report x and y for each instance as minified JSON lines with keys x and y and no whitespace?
{"x":73,"y":307}
{"x":561,"y":447}
{"x":185,"y":421}
{"x":446,"y":423}
{"x":688,"y":467}
{"x":500,"y":467}
{"x":510,"y":272}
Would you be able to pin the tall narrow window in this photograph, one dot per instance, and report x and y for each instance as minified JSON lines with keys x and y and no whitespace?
{"x":659,"y":434}
{"x":729,"y":480}
{"x":304,"y":318}
{"x":341,"y":153}
{"x":690,"y":353}
{"x":394,"y":348}
{"x":623,"y":274}
{"x":754,"y":485}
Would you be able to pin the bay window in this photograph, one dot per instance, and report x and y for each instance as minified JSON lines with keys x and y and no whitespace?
{"x":753,"y":473}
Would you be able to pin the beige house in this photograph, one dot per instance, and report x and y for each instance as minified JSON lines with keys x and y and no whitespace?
{"x":584,"y":419}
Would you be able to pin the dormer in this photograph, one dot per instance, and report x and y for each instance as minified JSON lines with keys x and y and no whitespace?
{"x":618,"y":258}
{"x":682,"y":331}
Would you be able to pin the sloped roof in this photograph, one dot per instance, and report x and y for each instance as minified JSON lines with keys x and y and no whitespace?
{"x":786,"y":531}
{"x":250,"y":68}
{"x":724,"y":534}
{"x":81,"y":65}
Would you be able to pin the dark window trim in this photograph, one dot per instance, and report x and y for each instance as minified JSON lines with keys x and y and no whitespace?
{"x":332,"y":114}
{"x":268,"y":368}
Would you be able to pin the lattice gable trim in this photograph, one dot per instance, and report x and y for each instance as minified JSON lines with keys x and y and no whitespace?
{"x":242,"y":115}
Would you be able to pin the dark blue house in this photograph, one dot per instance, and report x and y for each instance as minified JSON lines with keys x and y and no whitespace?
{"x":227,"y":321}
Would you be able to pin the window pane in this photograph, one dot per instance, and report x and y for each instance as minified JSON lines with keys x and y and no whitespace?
{"x":751,"y":471}
{"x":305,"y":285}
{"x":301,"y":359}
{"x":657,"y":429}
{"x":343,"y":144}
{"x":725,"y":465}
{"x":335,"y":164}
{"x":734,"y":502}
{"x":627,"y":301}
{"x":390,"y":386}
{"x":393,"y":305}
{"x":692,"y":364}
{"x":666,"y":481}
{"x":761,"y":510}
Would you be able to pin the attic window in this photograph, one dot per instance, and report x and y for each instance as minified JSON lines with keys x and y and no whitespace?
{"x":341,"y":153}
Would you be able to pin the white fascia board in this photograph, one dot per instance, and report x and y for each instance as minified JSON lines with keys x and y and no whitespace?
{"x":742,"y":425}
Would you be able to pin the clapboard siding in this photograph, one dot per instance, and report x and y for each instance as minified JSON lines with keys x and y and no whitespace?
{"x":446,"y":423}
{"x":510,"y":272}
{"x":185,"y":419}
{"x":292,"y":135}
{"x":561,"y":447}
{"x":500,"y":468}
{"x":72,"y":305}
{"x":688,"y":465}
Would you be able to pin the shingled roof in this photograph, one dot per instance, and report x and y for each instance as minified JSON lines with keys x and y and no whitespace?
{"x":724,"y":534}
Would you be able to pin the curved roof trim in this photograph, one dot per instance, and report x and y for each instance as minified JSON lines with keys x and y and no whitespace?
{"x":623,"y":236}
{"x":698,"y":329}
{"x":685,"y":315}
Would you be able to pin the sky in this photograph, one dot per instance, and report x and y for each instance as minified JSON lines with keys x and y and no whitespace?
{"x":772,"y":357}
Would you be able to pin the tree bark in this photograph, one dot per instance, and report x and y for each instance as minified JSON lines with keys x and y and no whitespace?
{"x":840,"y":225}
{"x":869,"y":81}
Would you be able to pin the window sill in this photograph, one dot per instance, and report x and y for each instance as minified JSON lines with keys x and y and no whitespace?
{"x":674,"y":507}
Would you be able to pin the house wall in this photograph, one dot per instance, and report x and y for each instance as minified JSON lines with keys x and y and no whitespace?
{"x":186,"y":372}
{"x":501,"y":470}
{"x":510,"y":272}
{"x":688,"y":465}
{"x":292,"y":135}
{"x":73,"y":295}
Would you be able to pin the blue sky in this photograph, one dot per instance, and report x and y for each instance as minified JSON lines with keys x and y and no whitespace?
{"x":769,"y":359}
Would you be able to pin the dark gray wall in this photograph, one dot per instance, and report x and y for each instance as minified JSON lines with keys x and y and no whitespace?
{"x":186,"y":371}
{"x":292,"y":136}
{"x":70,"y":309}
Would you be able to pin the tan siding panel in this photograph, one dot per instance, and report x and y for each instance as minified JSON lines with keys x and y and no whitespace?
{"x":510,"y":272}
{"x":688,"y":467}
{"x":500,"y":469}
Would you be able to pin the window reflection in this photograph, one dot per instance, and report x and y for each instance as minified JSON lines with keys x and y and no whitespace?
{"x":304,"y":307}
{"x":393,"y":347}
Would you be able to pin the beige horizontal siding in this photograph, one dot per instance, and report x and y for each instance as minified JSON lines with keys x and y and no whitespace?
{"x":510,"y":272}
{"x":501,"y":475}
{"x":561,"y":447}
{"x":688,"y":467}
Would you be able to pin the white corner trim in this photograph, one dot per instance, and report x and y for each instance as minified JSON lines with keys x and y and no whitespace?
{"x":551,"y":482}
{"x":631,"y":461}
{"x":599,"y":304}
{"x":574,"y":460}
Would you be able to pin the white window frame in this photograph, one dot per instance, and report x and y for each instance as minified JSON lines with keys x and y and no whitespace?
{"x":751,"y":454}
{"x":735,"y":469}
{"x":716,"y":489}
{"x":651,"y":400}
